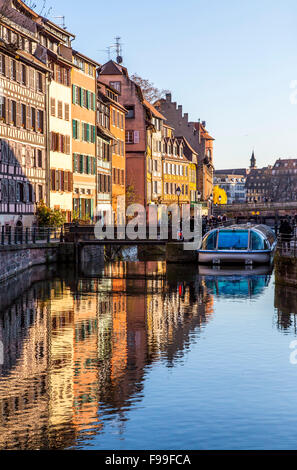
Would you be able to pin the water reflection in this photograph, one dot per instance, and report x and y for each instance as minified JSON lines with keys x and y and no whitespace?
{"x":285,"y":302}
{"x":241,"y":283}
{"x":77,"y":351}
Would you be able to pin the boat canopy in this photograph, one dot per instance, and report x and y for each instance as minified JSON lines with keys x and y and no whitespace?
{"x":240,"y":238}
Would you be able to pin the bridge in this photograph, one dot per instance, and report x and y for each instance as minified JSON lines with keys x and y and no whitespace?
{"x":265,"y":209}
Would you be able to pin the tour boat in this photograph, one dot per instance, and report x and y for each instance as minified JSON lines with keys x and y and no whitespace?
{"x":247,"y":244}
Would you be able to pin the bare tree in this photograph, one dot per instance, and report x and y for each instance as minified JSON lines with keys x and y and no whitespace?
{"x":150,"y":92}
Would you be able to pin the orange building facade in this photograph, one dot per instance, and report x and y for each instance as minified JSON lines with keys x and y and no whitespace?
{"x":84,"y":107}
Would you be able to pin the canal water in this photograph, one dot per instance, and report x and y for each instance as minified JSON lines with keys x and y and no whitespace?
{"x":144,"y":356}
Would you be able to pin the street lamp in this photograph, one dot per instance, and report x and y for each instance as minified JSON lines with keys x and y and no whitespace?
{"x":178,"y":193}
{"x":211,"y":201}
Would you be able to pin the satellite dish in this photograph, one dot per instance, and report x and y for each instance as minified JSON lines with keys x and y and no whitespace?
{"x":119,"y":59}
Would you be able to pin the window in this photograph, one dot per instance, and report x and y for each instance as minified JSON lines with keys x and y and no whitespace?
{"x":13,"y":112}
{"x":2,"y":107}
{"x":13,"y":70}
{"x":39,"y":82}
{"x":60,"y":110}
{"x":229,"y":240}
{"x":33,"y":119}
{"x":67,"y":112}
{"x":210,"y":243}
{"x":53,"y":107}
{"x":24,"y":116}
{"x":132,"y":137}
{"x":23,"y":74}
{"x":131,"y":112}
{"x":116,"y":86}
{"x":40,"y":121}
{"x":39,"y":158}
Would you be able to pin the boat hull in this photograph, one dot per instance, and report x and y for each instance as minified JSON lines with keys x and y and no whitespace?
{"x":219,"y":257}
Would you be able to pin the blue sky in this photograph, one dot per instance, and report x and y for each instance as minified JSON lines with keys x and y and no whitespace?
{"x":229,"y":63}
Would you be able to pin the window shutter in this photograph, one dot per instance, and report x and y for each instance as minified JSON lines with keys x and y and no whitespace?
{"x":7,"y":66}
{"x":88,"y":133}
{"x":18,"y":71}
{"x":81,"y":97}
{"x":74,"y":163}
{"x":32,"y":78}
{"x":74,"y":128}
{"x":70,"y":182}
{"x":92,"y":208}
{"x":18,"y":114}
{"x":66,"y":185}
{"x":67,"y":145}
{"x":73,"y":94}
{"x":77,"y":130}
{"x":67,"y":114}
{"x":136,"y":137}
{"x":60,"y":110}
{"x":94,"y":165}
{"x":53,"y":180}
{"x":53,"y":107}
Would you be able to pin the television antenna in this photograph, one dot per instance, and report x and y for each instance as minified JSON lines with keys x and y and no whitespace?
{"x":117,"y":48}
{"x":63,"y":25}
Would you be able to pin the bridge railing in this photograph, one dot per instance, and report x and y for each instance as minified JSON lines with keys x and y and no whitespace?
{"x":11,"y":236}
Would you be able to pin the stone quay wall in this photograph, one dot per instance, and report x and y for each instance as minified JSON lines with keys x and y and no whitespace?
{"x":15,"y":259}
{"x":286,"y":270}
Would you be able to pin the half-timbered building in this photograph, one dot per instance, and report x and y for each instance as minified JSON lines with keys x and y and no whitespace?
{"x":23,"y":120}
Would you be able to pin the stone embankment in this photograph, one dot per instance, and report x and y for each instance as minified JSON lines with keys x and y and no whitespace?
{"x":286,"y":270}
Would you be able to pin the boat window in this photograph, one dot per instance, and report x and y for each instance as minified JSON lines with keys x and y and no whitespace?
{"x":233,"y":240}
{"x":257,"y":242}
{"x":210,"y":242}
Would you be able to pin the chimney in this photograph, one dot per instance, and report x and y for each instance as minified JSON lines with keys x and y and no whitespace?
{"x":168,"y":97}
{"x":204,"y":123}
{"x":186,"y":116}
{"x":180,"y":110}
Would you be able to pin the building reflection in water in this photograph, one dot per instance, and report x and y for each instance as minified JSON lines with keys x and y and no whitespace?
{"x":285,"y":302}
{"x":77,"y":350}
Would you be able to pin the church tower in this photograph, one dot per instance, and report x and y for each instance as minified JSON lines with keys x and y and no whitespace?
{"x":253,"y":162}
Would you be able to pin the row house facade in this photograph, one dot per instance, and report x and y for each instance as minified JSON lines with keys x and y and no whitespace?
{"x":138,"y":119}
{"x":57,"y":43}
{"x":111,"y":153}
{"x":198,"y":138}
{"x":23,"y":120}
{"x":84,"y":148}
{"x":154,"y":154}
{"x":176,"y":170}
{"x":105,"y":142}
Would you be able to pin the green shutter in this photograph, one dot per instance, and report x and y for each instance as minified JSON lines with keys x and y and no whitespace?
{"x":73,"y":94}
{"x":80,"y":213}
{"x":74,"y":128}
{"x":88,"y":132}
{"x":81,"y":97}
{"x":81,"y":163}
{"x":88,"y":99}
{"x":74,"y":163}
{"x":94,"y":166}
{"x":88,"y":165}
{"x":92,"y":209}
{"x":94,"y":102}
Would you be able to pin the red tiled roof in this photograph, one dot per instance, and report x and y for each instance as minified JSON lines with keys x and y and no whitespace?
{"x":154,"y":110}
